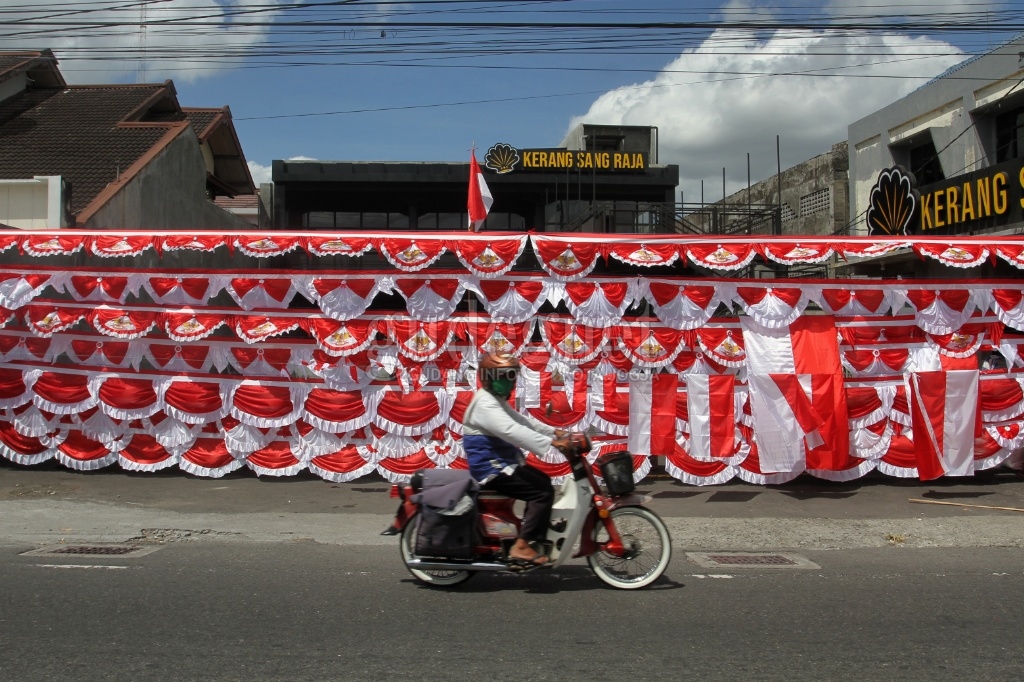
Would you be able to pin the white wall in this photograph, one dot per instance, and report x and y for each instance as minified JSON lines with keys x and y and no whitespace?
{"x":32,"y":204}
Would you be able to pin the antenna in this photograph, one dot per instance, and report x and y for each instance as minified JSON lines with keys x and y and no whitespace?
{"x":140,"y":73}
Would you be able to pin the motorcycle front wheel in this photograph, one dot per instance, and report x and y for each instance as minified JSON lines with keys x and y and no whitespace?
{"x":407,"y":544}
{"x":647,"y":544}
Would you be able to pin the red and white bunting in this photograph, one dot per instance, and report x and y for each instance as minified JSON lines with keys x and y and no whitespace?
{"x":489,"y":258}
{"x":263,"y":246}
{"x":684,"y":306}
{"x":797,"y":252}
{"x":430,"y":299}
{"x":411,"y":255}
{"x":120,"y":245}
{"x":573,"y":343}
{"x":648,"y":346}
{"x":942,"y":311}
{"x":514,"y":300}
{"x":336,"y":246}
{"x":645,"y":254}
{"x":956,"y":256}
{"x":420,"y":341}
{"x":342,"y":339}
{"x":261,"y":292}
{"x":17,"y":290}
{"x":728,"y":257}
{"x":565,"y":259}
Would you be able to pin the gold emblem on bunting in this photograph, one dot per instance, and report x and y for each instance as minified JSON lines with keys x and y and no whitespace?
{"x":645,"y":255}
{"x":651,"y":348}
{"x":121,"y":323}
{"x":341,"y":338}
{"x":420,"y":343}
{"x":192,"y":326}
{"x":955,"y":253}
{"x":720,"y":255}
{"x":488,"y":259}
{"x":573,"y":344}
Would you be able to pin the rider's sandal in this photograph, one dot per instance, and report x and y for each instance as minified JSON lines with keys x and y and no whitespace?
{"x":536,"y":562}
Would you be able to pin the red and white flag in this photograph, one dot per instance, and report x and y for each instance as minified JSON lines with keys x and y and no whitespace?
{"x":945,"y":417}
{"x":710,"y":402}
{"x":797,"y":399}
{"x":652,"y":415}
{"x":480,"y":198}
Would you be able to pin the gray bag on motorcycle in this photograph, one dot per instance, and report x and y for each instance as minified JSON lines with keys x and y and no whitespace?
{"x":447,"y":518}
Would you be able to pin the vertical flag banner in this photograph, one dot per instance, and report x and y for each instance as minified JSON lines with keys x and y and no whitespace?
{"x":480,"y":198}
{"x":652,"y":415}
{"x":711,"y":409}
{"x":796,"y":395}
{"x":944,"y":413}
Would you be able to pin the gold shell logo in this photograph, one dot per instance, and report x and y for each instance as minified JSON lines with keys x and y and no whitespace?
{"x":501,"y":158}
{"x":893,"y":203}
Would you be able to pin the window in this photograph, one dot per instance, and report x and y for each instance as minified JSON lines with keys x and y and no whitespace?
{"x":1009,"y":135}
{"x":924,"y":163}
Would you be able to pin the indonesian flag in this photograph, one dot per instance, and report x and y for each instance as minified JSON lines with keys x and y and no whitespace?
{"x":711,"y":409}
{"x":652,"y":415}
{"x":480,"y":198}
{"x":797,"y":400}
{"x":945,"y":417}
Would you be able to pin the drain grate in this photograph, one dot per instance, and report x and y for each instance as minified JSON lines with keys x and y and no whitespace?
{"x":750,"y":560}
{"x":92,"y":550}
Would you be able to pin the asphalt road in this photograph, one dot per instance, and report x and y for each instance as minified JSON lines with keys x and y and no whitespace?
{"x":256,"y":580}
{"x":305,"y":611}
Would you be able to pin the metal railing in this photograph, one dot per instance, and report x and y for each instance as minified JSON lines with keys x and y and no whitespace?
{"x":645,"y":217}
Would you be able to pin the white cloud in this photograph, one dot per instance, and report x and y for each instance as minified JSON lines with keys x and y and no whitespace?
{"x":711,"y":116}
{"x":126,"y":52}
{"x":260,"y":173}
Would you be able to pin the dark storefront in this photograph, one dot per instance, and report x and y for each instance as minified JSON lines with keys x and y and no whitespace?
{"x":611,"y":184}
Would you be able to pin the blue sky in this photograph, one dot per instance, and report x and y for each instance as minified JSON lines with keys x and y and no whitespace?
{"x":800,"y":70}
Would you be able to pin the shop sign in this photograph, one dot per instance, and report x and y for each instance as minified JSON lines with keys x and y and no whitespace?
{"x":504,"y":158}
{"x":989,"y":198}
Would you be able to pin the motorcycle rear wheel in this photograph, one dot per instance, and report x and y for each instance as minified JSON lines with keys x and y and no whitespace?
{"x":407,"y":544}
{"x":648,"y":549}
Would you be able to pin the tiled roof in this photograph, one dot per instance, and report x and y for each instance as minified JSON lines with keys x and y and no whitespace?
{"x":10,"y":60}
{"x":202,"y":118}
{"x":73,"y":132}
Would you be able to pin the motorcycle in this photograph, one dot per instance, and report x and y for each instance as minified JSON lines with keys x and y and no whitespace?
{"x":626,"y":544}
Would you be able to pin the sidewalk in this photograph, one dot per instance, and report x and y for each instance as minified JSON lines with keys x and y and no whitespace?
{"x":44,"y":505}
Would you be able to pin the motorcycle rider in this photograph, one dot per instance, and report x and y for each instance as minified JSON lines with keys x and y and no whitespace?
{"x":494,"y":435}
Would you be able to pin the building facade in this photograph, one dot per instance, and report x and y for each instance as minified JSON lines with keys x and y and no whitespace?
{"x":947,"y":159}
{"x":602,"y":179}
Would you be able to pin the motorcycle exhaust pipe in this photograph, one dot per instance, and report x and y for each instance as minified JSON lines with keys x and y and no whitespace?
{"x":431,"y":565}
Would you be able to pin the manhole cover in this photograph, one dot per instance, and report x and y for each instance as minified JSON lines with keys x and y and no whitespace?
{"x":92,"y":550}
{"x":750,"y":560}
